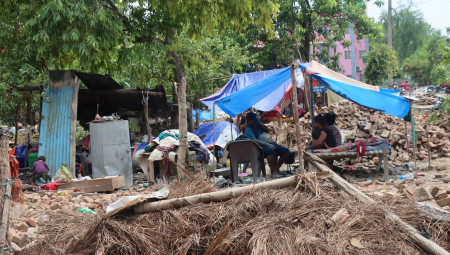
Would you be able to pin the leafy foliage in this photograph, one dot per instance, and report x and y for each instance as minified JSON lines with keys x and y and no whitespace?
{"x":381,"y":62}
{"x":409,"y":30}
{"x":320,"y":23}
{"x":430,"y":63}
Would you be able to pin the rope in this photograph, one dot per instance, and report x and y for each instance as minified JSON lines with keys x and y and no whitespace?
{"x":145,"y":97}
{"x":8,"y":182}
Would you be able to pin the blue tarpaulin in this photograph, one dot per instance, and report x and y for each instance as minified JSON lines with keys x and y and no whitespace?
{"x":203,"y":115}
{"x":236,"y":83}
{"x":262,"y":95}
{"x":387,"y":103}
{"x":383,"y":100}
{"x":224,"y":132}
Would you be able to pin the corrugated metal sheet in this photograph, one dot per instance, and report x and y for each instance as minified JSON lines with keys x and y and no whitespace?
{"x":54,"y":140}
{"x":98,"y":81}
{"x":110,"y":150}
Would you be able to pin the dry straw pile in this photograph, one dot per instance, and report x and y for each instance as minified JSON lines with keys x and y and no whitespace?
{"x":264,"y":222}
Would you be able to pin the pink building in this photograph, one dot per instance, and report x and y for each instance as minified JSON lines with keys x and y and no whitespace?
{"x":351,"y":58}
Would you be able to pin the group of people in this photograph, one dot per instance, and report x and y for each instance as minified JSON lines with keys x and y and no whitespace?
{"x":325,"y":135}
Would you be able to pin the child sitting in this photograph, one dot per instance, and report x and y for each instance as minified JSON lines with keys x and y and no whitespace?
{"x":40,"y":169}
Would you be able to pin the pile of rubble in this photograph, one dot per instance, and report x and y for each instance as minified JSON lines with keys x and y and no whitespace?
{"x":357,"y":122}
{"x":25,"y":218}
{"x":425,"y":100}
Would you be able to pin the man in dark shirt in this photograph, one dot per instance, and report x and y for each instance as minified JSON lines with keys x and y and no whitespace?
{"x":326,"y":136}
{"x":253,"y":130}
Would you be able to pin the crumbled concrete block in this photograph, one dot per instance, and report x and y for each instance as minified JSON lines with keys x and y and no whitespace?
{"x":421,"y":194}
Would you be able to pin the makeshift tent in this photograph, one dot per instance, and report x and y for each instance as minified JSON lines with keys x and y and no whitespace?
{"x":358,"y":92}
{"x":262,"y":95}
{"x":224,"y":132}
{"x":236,"y":83}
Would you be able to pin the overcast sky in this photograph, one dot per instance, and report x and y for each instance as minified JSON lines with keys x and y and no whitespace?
{"x":435,"y":12}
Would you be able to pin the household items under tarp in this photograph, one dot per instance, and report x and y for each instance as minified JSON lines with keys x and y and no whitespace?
{"x":220,"y":135}
{"x":358,"y":92}
{"x":21,"y":154}
{"x":203,"y":115}
{"x":110,"y":150}
{"x":155,"y":154}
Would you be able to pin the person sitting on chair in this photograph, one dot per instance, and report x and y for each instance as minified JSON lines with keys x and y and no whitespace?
{"x":254,"y":129}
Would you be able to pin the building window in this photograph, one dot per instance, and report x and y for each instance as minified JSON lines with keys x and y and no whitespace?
{"x":361,"y":54}
{"x":361,"y":77}
{"x":349,"y":76}
{"x":347,"y":54}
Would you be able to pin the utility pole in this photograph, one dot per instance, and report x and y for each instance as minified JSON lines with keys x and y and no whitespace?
{"x":389,"y":23}
{"x":390,"y":80}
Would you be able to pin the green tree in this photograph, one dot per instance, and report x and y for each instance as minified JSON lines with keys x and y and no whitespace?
{"x":92,"y":34}
{"x":322,"y":24}
{"x":410,"y":31}
{"x":430,"y":63}
{"x":380,"y":61}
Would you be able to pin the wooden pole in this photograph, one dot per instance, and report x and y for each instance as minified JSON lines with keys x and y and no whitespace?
{"x":197,"y":119}
{"x":311,"y":100}
{"x":296,"y":120}
{"x":182,"y":119}
{"x":40,"y":110}
{"x":214,"y":136}
{"x":147,"y":123}
{"x":426,"y":244}
{"x":428,"y":147}
{"x":5,"y":191}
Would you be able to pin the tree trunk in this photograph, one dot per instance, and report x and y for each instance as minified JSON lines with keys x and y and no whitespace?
{"x":174,"y":114}
{"x":29,"y":109}
{"x":181,"y":83}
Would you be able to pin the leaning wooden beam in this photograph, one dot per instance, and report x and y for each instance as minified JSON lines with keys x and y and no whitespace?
{"x":217,"y":196}
{"x":426,"y":244}
{"x":296,"y":120}
{"x":5,"y":191}
{"x":222,"y":195}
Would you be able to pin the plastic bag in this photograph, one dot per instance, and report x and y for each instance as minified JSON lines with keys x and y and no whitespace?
{"x":64,"y":174}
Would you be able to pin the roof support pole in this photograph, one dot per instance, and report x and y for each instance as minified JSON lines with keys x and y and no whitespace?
{"x":296,"y":120}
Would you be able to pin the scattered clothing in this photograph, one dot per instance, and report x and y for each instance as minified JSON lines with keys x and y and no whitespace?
{"x":165,"y":155}
{"x":167,"y":133}
{"x":201,"y":154}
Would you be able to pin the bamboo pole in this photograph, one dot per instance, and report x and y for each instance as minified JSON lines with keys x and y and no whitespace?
{"x":147,"y":124}
{"x":296,"y":120}
{"x":426,"y":244}
{"x":5,"y":191}
{"x":428,"y":147}
{"x":214,"y":137}
{"x":222,"y":195}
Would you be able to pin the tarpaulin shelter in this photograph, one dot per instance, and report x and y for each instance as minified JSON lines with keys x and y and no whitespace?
{"x":236,"y":83}
{"x":358,"y":92}
{"x":220,"y":135}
